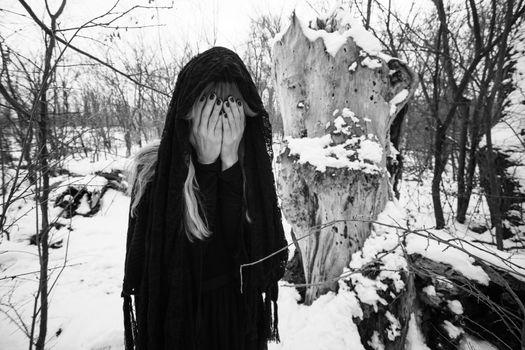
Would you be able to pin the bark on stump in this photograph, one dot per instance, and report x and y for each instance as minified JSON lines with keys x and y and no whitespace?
{"x":345,"y":102}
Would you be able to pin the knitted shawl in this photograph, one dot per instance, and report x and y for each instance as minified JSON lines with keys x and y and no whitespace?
{"x":158,"y":266}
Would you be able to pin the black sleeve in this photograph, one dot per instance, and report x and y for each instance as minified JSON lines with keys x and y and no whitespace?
{"x":207,"y":179}
{"x":230,"y":199}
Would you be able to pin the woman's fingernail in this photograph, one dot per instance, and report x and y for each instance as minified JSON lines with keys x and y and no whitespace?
{"x":212,"y":96}
{"x":232,"y":100}
{"x":239,"y":102}
{"x":202,"y":98}
{"x":227,"y":104}
{"x":219,"y":101}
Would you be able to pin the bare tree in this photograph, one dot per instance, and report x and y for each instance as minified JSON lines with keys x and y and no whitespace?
{"x":258,"y":56}
{"x":488,"y":57}
{"x":456,"y":49}
{"x":29,"y":87}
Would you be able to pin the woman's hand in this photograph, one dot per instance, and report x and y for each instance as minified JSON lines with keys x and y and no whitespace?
{"x":206,"y":130}
{"x":233,"y":122}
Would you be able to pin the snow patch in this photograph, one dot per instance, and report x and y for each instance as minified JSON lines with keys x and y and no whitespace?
{"x":347,"y":113}
{"x":326,"y":324}
{"x":375,"y":342}
{"x":339,"y":122}
{"x":366,"y":289}
{"x":400,"y":97}
{"x":455,"y":306}
{"x":372,"y":63}
{"x":453,"y":331}
{"x":393,"y":152}
{"x":371,"y":150}
{"x":430,"y":290}
{"x":321,"y":153}
{"x":415,"y":339}
{"x":333,"y":41}
{"x":394,"y":330}
{"x":424,"y":244}
{"x":279,"y":36}
{"x":382,"y":239}
{"x":84,"y":206}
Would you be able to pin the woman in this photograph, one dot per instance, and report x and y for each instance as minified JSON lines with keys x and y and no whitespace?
{"x":203,"y":204}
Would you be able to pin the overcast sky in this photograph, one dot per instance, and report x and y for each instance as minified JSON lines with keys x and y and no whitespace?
{"x":187,"y":21}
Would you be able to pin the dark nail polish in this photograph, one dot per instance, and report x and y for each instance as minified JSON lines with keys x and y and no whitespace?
{"x":227,"y":104}
{"x":212,"y":96}
{"x":219,"y":101}
{"x":239,"y":102}
{"x":202,"y":98}
{"x":232,"y":100}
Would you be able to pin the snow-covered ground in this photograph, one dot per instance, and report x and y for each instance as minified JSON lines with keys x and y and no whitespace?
{"x":85,"y":302}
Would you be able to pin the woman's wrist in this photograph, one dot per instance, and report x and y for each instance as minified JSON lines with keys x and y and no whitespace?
{"x":206,"y":159}
{"x":228,"y":160}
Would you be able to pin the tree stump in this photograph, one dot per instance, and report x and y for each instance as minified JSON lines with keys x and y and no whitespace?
{"x":338,"y":96}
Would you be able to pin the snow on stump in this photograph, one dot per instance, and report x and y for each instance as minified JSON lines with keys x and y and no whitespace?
{"x":338,"y":96}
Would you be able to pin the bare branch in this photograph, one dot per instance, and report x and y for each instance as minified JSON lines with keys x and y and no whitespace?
{"x":82,"y":52}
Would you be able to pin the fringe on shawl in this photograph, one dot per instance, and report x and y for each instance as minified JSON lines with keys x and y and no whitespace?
{"x":130,"y":323}
{"x":271,"y":316}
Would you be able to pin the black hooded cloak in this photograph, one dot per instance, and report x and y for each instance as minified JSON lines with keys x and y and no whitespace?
{"x":158,"y":268}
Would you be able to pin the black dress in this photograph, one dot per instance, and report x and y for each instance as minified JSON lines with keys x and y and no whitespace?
{"x":226,"y":318}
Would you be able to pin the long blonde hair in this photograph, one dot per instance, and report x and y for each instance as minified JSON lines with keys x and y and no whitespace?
{"x":145,"y":160}
{"x":139,"y":171}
